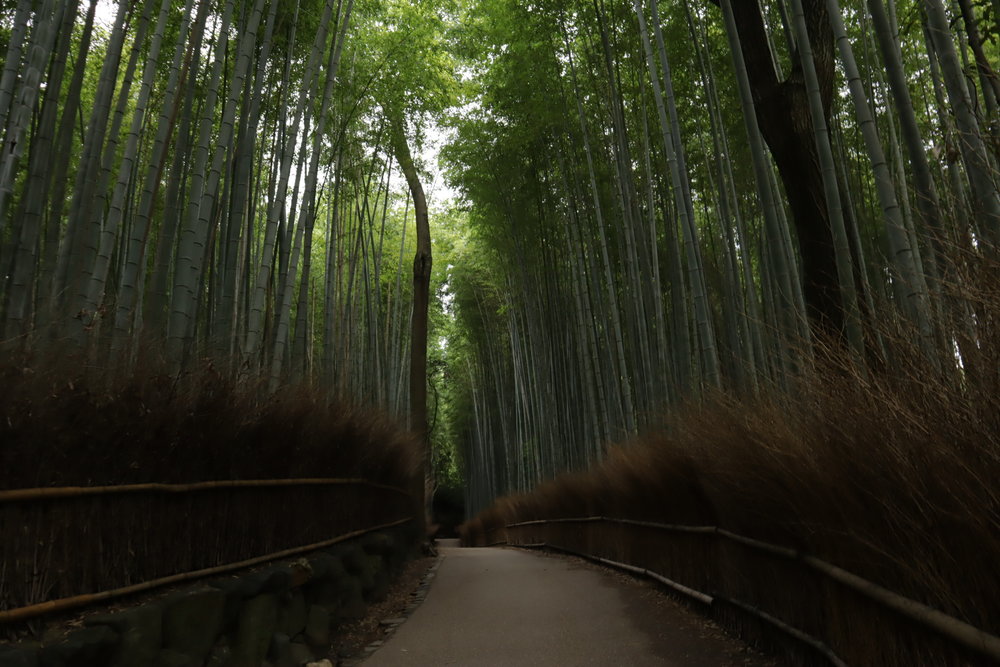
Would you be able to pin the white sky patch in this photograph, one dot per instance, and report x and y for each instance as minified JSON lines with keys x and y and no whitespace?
{"x":104,"y":14}
{"x":439,"y":193}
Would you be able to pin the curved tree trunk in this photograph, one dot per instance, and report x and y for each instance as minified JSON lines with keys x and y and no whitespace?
{"x":421,"y":300}
{"x":782,"y":109}
{"x":828,"y":173}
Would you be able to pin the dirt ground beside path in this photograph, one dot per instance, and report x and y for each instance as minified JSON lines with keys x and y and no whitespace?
{"x":350,"y":640}
{"x":499,"y":607}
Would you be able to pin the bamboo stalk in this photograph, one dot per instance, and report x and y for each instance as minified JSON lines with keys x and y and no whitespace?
{"x":46,"y":493}
{"x":77,"y":601}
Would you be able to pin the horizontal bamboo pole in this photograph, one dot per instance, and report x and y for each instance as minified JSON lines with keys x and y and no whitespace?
{"x":953,"y":628}
{"x":787,"y":629}
{"x":759,"y":545}
{"x":679,"y":528}
{"x":77,"y":601}
{"x":961,"y":632}
{"x":539,"y":522}
{"x":704,"y":598}
{"x":679,"y":587}
{"x":46,"y":493}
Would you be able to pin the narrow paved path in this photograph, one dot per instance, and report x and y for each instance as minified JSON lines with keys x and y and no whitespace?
{"x":490,"y":607}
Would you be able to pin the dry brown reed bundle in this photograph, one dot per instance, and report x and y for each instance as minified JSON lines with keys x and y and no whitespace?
{"x":63,"y":425}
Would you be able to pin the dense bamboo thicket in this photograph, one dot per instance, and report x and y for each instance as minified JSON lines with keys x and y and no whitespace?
{"x":216,"y":186}
{"x":668,"y":202}
{"x":760,"y":235}
{"x":857,"y":472}
{"x":756,"y":243}
{"x":205,"y":274}
{"x":211,"y":181}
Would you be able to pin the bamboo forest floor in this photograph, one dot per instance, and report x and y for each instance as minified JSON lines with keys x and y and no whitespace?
{"x":492,"y":607}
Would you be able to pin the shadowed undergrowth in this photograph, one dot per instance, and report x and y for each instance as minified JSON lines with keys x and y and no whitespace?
{"x":63,"y":426}
{"x":60,"y":427}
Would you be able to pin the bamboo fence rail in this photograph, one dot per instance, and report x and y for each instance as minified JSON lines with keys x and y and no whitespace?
{"x":704,"y":598}
{"x":23,"y":513}
{"x":46,"y":493}
{"x":954,"y":629}
{"x":77,"y":601}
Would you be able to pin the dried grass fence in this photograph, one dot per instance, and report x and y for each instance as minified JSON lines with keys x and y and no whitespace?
{"x":758,"y":588}
{"x":89,"y":543}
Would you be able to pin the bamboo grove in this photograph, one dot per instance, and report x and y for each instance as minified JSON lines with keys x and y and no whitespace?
{"x":207,"y":181}
{"x":659,"y":202}
{"x":672,"y":200}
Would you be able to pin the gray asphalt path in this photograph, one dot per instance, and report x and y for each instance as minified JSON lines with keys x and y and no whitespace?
{"x":490,"y":607}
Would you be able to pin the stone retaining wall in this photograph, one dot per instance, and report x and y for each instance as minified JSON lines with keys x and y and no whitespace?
{"x":278,"y":616}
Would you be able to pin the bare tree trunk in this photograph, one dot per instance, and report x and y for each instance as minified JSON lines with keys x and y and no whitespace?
{"x":782,"y":110}
{"x":828,"y":176}
{"x":421,"y":301}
